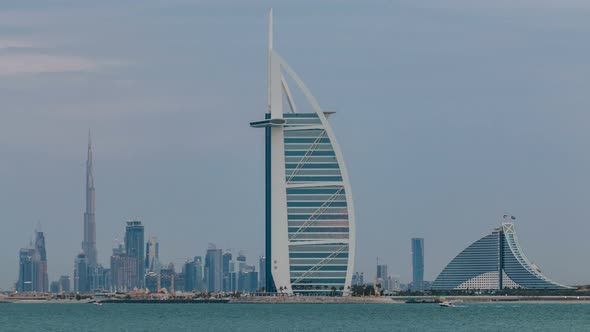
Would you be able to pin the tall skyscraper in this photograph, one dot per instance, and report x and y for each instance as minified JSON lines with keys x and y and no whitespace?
{"x":358,"y":279}
{"x":54,"y":287}
{"x":310,"y":225}
{"x":199,"y":273}
{"x":167,"y":278}
{"x":417,"y":264}
{"x":247,"y":281}
{"x":64,"y":284}
{"x":193,"y":275}
{"x":123,"y":272}
{"x":394,"y":283}
{"x":152,"y":281}
{"x":89,"y":243}
{"x":26,"y":270}
{"x":81,"y":280}
{"x":382,"y":271}
{"x":152,"y":255}
{"x":213,"y":269}
{"x":262,"y":274}
{"x":134,"y":245}
{"x":32,"y":273}
{"x":41,"y":277}
{"x":384,"y":278}
{"x":190,"y":276}
{"x":98,"y":277}
{"x":227,"y":256}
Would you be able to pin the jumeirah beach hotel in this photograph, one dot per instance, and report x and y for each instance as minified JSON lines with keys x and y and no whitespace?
{"x":496,"y":261}
{"x":310,"y":226}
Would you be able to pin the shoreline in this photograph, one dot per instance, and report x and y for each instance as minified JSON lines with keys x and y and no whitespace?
{"x":321,"y":300}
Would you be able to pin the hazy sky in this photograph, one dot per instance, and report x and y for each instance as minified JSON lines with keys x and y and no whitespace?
{"x":450,"y":114}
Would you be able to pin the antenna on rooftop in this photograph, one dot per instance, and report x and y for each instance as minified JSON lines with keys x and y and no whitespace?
{"x":508,"y":218}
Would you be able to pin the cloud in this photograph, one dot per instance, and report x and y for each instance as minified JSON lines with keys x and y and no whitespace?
{"x":30,"y":56}
{"x":15,"y":43}
{"x":17,"y":64}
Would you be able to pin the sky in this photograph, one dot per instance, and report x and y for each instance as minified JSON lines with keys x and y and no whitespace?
{"x":449,"y":115}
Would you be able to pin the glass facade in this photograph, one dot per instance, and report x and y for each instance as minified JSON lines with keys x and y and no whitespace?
{"x":318,"y":212}
{"x":417,"y":264}
{"x":495,"y":261}
{"x":134,"y":245}
{"x":317,"y":208}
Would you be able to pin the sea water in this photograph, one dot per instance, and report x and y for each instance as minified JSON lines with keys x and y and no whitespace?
{"x":295,"y":317}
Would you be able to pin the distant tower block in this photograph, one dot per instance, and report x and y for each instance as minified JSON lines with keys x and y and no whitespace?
{"x":417,"y":264}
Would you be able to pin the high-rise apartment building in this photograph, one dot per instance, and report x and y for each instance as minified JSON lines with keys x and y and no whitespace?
{"x":123,"y":272}
{"x":98,"y":277}
{"x":382,"y":277}
{"x":40,"y":258}
{"x":262,"y":273}
{"x":248,"y":281}
{"x":152,"y":281}
{"x":64,"y":284}
{"x":213,"y":269}
{"x":54,"y":287}
{"x":358,"y":279}
{"x":26,"y":270}
{"x":32,"y":272}
{"x":193,"y":275}
{"x":198,"y":260}
{"x":81,"y":284}
{"x":417,"y":265}
{"x":152,"y":255}
{"x":134,"y":247}
{"x":393,"y":283}
{"x":226,"y":259}
{"x":382,"y":271}
{"x":190,"y":275}
{"x":167,"y":279}
{"x":179,"y":282}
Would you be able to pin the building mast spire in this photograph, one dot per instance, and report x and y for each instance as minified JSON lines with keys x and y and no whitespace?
{"x":270,"y":30}
{"x":269,"y":64}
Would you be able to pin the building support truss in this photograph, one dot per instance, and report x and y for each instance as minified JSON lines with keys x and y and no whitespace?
{"x":320,"y":264}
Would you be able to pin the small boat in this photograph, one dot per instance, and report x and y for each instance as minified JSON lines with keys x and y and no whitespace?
{"x":97,"y":303}
{"x":448,"y":304}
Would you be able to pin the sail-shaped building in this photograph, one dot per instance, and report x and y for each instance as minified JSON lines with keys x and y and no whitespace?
{"x":310,"y":226}
{"x":496,"y":261}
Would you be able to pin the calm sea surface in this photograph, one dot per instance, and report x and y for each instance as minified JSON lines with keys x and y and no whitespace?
{"x":294,"y":317}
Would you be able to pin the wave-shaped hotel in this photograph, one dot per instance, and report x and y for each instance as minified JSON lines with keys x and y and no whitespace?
{"x":496,"y":261}
{"x":310,"y":230}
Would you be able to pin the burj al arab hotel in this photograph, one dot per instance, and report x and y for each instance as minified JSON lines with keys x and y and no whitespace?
{"x":310,"y":226}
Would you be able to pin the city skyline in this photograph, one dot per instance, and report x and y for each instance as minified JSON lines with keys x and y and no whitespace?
{"x":444,"y":123}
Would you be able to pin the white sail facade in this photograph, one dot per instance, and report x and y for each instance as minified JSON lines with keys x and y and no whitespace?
{"x":310,"y":226}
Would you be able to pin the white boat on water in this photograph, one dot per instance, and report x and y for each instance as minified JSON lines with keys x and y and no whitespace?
{"x":448,"y":304}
